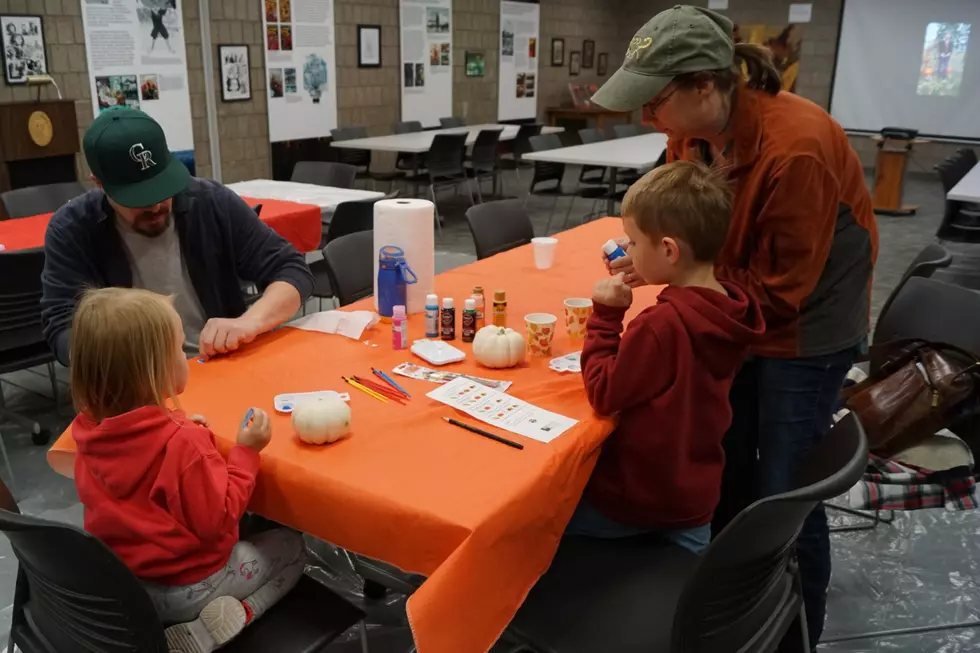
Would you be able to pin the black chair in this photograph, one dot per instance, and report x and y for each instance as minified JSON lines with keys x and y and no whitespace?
{"x":74,"y":594}
{"x":499,"y":226}
{"x":444,"y":168}
{"x":627,"y":130}
{"x":48,"y":198}
{"x":592,"y":174}
{"x":554,"y":173}
{"x":518,"y":147}
{"x":932,"y":257}
{"x":483,"y":160}
{"x":360,"y":159}
{"x":324,"y":173}
{"x":637,"y":595}
{"x":349,"y":264}
{"x":409,"y":161}
{"x":22,"y":344}
{"x":448,"y":123}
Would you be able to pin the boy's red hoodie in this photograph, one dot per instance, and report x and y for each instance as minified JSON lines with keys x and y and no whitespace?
{"x":668,"y":377}
{"x":158,"y":492}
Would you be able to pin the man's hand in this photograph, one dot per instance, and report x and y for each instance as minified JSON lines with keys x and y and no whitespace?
{"x":222,"y":335}
{"x":623,"y":264}
{"x":613,"y":292}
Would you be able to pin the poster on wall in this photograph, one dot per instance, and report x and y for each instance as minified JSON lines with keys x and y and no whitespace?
{"x":518,"y":79}
{"x":427,"y":60}
{"x":137,"y":58}
{"x":302,"y":68}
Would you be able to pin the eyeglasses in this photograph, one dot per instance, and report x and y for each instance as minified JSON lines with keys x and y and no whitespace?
{"x":653,"y":107}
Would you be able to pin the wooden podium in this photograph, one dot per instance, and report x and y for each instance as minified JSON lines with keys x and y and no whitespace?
{"x":893,"y":158}
{"x":38,"y":144}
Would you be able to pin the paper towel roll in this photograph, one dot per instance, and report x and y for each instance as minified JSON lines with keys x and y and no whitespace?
{"x":408,"y":224}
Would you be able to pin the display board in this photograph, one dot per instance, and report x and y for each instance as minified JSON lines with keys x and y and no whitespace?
{"x":519,"y":49}
{"x":137,"y":57}
{"x":301,"y":68}
{"x":907,"y":63}
{"x":427,"y":60}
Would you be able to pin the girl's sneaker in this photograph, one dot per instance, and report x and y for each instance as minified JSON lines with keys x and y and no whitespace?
{"x":220,"y":621}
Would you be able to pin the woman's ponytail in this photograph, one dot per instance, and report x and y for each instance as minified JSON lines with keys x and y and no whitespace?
{"x":762,"y":72}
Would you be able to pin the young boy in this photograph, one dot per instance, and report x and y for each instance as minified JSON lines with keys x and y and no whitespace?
{"x":669,"y":375}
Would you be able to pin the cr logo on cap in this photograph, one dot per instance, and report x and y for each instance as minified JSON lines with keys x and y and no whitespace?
{"x":142,"y":156}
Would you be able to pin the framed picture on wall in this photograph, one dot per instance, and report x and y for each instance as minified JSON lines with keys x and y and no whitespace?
{"x":603,"y":64}
{"x":475,"y":63}
{"x":557,"y":52}
{"x":588,"y":53}
{"x":574,"y":62}
{"x":369,"y":46}
{"x":23,"y":47}
{"x":235,"y":81}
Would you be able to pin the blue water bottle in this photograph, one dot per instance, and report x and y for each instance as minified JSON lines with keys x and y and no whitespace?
{"x":393,"y":275}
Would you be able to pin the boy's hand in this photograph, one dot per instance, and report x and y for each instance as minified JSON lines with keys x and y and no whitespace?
{"x":200,"y":419}
{"x":623,"y":264}
{"x":613,"y":292}
{"x":257,"y":434}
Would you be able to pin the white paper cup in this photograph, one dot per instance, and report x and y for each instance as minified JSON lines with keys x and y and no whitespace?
{"x":544,"y":252}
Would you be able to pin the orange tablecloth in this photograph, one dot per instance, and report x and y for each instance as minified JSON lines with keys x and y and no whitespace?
{"x":481,"y":520}
{"x":300,"y":224}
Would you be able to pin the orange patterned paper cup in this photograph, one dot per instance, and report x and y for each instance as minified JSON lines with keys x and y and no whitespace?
{"x":577,"y":312}
{"x":540,"y":333}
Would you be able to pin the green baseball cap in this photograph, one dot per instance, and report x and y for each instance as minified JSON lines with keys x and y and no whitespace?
{"x":683,"y":39}
{"x":127,"y":152}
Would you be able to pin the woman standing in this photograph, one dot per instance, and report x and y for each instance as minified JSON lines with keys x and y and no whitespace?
{"x":802,"y":239}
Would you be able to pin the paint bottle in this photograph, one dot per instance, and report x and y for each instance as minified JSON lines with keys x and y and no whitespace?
{"x":448,"y":319}
{"x":499,"y":308}
{"x":469,"y":320}
{"x":481,"y":301}
{"x":612,"y":250}
{"x":431,"y":316}
{"x":399,"y":328}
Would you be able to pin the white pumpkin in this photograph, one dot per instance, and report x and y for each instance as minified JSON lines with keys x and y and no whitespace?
{"x":321,"y":420}
{"x":498,"y":347}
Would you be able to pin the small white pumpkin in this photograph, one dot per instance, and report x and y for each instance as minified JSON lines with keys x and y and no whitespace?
{"x":498,"y":347}
{"x":321,"y":420}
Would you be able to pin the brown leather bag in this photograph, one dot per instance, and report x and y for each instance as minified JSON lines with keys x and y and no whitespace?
{"x":915,"y":392}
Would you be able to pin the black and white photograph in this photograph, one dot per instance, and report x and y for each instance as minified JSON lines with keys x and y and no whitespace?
{"x":369,"y":46}
{"x":419,"y":75}
{"x":160,"y":31}
{"x":588,"y":53}
{"x":507,"y":41}
{"x":437,"y":20}
{"x":409,"y":75}
{"x":235,"y":85}
{"x":574,"y":62}
{"x":603,"y":64}
{"x":23,"y":48}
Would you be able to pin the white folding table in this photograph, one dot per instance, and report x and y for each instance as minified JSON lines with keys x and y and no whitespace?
{"x":968,"y":188}
{"x":326,"y":197}
{"x":420,"y":142}
{"x":633,"y":152}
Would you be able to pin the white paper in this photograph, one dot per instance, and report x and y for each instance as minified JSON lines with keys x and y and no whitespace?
{"x":344,"y":323}
{"x":413,"y":371}
{"x":427,"y":60}
{"x":520,"y":51}
{"x":717,"y":4}
{"x":501,"y":410}
{"x":800,"y":12}
{"x":137,"y":57}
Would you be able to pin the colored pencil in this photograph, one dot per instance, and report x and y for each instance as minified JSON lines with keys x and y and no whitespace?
{"x":360,"y":387}
{"x":381,"y":390}
{"x":486,"y":434}
{"x":390,"y":381}
{"x":248,"y":418}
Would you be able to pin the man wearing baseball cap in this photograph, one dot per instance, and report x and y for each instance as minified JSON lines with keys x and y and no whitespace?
{"x":149,"y":224}
{"x":802,"y":240}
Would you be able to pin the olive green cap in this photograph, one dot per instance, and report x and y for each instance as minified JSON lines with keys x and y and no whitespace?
{"x":683,"y":39}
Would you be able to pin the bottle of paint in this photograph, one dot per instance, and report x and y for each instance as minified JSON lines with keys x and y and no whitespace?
{"x":399,"y":328}
{"x":481,"y":301}
{"x":612,"y":250}
{"x":469,"y":320}
{"x":431,"y":316}
{"x":499,"y":308}
{"x":448,"y":319}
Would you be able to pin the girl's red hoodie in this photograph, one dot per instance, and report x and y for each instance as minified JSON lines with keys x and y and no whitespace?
{"x":158,"y":492}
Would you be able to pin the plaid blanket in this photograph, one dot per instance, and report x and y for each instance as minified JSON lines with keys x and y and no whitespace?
{"x":890,"y":485}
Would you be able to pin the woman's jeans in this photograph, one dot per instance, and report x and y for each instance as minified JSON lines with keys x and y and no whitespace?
{"x":781,"y":408}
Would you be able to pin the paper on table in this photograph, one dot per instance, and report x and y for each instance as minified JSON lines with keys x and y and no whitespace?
{"x":421,"y":373}
{"x":502,"y":410}
{"x":344,"y":323}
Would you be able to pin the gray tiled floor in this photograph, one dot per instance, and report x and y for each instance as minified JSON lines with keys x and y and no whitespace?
{"x":42,"y":492}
